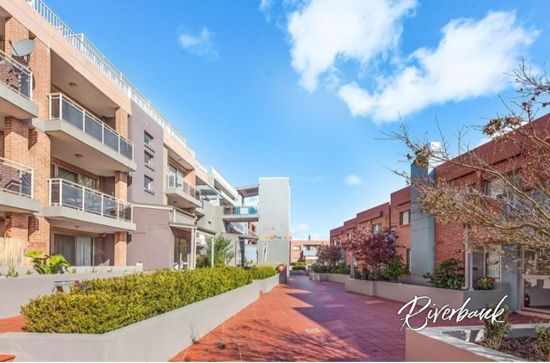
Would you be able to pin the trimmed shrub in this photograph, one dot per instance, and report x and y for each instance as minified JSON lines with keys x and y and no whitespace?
{"x":485,"y":283}
{"x":496,"y":331}
{"x":261,"y":272}
{"x":543,"y":340}
{"x":449,"y":274}
{"x":299,"y":266}
{"x":102,"y":305}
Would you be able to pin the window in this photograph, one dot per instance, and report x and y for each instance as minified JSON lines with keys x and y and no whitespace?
{"x":148,"y":139}
{"x":377,"y":228}
{"x":486,"y":262}
{"x":77,"y":250}
{"x":148,"y":158}
{"x":404,"y":217}
{"x":148,"y":183}
{"x":295,"y":248}
{"x":494,"y":188}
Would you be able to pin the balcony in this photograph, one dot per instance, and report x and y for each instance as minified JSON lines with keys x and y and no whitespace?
{"x":181,"y":219}
{"x":74,"y":206}
{"x":16,"y":188}
{"x":181,"y":193}
{"x":240,"y":214}
{"x":87,"y":137}
{"x":16,"y":89}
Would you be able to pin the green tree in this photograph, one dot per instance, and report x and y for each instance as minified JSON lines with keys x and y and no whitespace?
{"x":223,"y":252}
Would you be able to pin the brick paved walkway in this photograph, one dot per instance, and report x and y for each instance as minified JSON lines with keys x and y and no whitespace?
{"x":308,"y":321}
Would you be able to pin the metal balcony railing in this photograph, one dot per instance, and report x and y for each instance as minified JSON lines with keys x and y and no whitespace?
{"x":15,"y":75}
{"x":63,"y":108}
{"x":68,"y":194}
{"x":16,"y":178}
{"x":240,"y":211}
{"x":104,"y":65}
{"x":181,"y":185}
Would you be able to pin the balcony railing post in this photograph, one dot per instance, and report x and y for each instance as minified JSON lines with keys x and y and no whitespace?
{"x":102,"y":209}
{"x":60,"y":183}
{"x":83,"y":191}
{"x":84,"y":121}
{"x":118,"y":209}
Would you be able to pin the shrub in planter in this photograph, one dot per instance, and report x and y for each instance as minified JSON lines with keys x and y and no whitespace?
{"x":261,"y":272}
{"x":318,"y":268}
{"x":393,"y":270}
{"x":340,"y":269}
{"x":101,"y":305}
{"x":496,"y":331}
{"x":299,"y":266}
{"x":45,"y":264}
{"x":543,"y":340}
{"x":485,"y":283}
{"x":449,"y":274}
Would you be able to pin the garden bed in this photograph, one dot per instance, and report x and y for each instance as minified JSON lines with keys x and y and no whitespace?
{"x":267,"y":284}
{"x":325,"y":276}
{"x":23,"y":288}
{"x":458,"y":344}
{"x":405,"y":292}
{"x":156,"y":339}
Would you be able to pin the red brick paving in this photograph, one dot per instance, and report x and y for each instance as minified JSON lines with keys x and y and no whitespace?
{"x":309,"y":321}
{"x":12,"y":324}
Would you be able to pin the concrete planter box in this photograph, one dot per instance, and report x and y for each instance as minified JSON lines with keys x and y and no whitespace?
{"x":155,"y":339}
{"x":457,"y":344}
{"x":318,"y":276}
{"x":266,"y":285}
{"x":17,"y":291}
{"x":405,"y":292}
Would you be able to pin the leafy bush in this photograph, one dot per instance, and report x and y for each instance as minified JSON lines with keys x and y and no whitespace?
{"x":45,"y":264}
{"x":496,"y":331}
{"x":298,"y":267}
{"x":485,"y":283}
{"x":223,"y":253}
{"x":319,"y":268}
{"x":393,"y":270}
{"x":261,"y":272}
{"x":101,"y":305}
{"x":330,"y":255}
{"x":449,"y":274}
{"x":543,"y":340}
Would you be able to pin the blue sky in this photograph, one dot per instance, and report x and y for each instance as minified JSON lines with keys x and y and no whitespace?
{"x":307,"y":89}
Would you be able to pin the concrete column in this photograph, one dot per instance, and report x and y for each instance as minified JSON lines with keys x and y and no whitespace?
{"x":121,"y":190}
{"x":121,"y":241}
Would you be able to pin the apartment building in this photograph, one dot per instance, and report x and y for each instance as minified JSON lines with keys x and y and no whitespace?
{"x":306,"y":250}
{"x":93,"y":171}
{"x":424,"y":242}
{"x":394,"y":215}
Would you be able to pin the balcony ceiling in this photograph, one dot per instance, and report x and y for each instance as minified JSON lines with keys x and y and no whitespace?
{"x":84,"y":93}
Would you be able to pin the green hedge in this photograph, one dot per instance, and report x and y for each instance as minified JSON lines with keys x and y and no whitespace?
{"x":262,"y":272}
{"x":102,"y":305}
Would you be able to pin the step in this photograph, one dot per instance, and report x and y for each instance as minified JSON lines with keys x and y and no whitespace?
{"x":7,"y":357}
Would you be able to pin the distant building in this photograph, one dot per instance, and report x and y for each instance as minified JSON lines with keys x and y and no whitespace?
{"x":306,"y":250}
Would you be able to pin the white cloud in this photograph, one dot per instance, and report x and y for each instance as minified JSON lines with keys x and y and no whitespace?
{"x":265,"y":5}
{"x":353,"y":180}
{"x":473,"y":58}
{"x":325,"y":30}
{"x":200,"y":44}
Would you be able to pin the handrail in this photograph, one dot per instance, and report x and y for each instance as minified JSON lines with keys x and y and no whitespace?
{"x":240,"y":211}
{"x":174,"y":182}
{"x":88,"y":200}
{"x":96,"y":56}
{"x":19,"y":80}
{"x":123,"y":145}
{"x":16,"y":178}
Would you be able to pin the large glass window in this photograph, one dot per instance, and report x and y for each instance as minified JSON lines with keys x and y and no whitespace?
{"x":77,"y":250}
{"x":148,"y":183}
{"x":148,"y":159}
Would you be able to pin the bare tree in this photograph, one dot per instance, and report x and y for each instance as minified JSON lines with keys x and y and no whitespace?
{"x":509,"y":203}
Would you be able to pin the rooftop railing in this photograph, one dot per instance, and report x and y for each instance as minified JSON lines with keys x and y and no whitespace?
{"x":63,"y":108}
{"x":96,"y":57}
{"x":68,"y":194}
{"x":240,"y":211}
{"x":15,"y":75}
{"x":16,"y":178}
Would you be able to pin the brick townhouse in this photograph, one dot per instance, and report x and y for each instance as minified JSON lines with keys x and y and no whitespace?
{"x":424,"y":242}
{"x":92,"y":170}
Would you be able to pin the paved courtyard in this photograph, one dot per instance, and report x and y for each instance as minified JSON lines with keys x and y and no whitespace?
{"x":308,"y":321}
